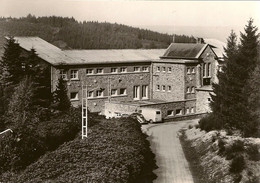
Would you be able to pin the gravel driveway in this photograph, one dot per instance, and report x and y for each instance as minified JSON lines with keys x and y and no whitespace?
{"x":165,"y":143}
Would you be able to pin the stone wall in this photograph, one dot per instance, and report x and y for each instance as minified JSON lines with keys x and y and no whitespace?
{"x":105,"y":82}
{"x":203,"y":100}
{"x":175,"y":79}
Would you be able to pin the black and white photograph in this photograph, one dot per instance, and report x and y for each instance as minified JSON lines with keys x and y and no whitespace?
{"x":114,"y":91}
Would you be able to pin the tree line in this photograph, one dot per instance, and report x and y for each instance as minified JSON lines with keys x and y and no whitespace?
{"x":87,"y":35}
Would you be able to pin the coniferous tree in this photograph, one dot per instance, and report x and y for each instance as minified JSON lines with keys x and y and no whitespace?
{"x":61,"y":100}
{"x":41,"y":78}
{"x":220,"y":99}
{"x":253,"y":90}
{"x":20,"y":105}
{"x":10,"y":72}
{"x":230,"y":98}
{"x":11,"y":66}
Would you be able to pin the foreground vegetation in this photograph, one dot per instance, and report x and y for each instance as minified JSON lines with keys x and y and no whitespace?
{"x":115,"y":151}
{"x":220,"y":158}
{"x":42,"y":146}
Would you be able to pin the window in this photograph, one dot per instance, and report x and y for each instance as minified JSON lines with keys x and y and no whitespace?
{"x":145,"y":68}
{"x":158,"y":112}
{"x":193,"y":70}
{"x":163,"y":87}
{"x":170,"y":113}
{"x":206,"y":81}
{"x":63,"y":74}
{"x":89,"y":71}
{"x":178,"y":112}
{"x":192,"y":110}
{"x":74,"y":74}
{"x":169,"y":69}
{"x":99,"y":93}
{"x":187,"y":110}
{"x":90,"y":94}
{"x":136,"y":92}
{"x":188,"y":70}
{"x":163,"y":69}
{"x":136,"y":69}
{"x":188,"y":89}
{"x":158,"y":69}
{"x":204,"y":70}
{"x":145,"y":91}
{"x":113,"y":92}
{"x":209,"y":70}
{"x":209,"y":99}
{"x":192,"y":89}
{"x":123,"y":69}
{"x":99,"y":71}
{"x":169,"y":88}
{"x":113,"y":70}
{"x":74,"y":96}
{"x":158,"y":87}
{"x":122,"y":91}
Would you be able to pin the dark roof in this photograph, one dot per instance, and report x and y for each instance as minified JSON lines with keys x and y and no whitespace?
{"x":184,"y":50}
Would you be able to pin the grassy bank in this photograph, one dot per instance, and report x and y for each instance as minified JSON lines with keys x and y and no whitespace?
{"x":216,"y":157}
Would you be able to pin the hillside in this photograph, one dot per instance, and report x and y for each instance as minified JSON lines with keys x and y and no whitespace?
{"x":68,"y":33}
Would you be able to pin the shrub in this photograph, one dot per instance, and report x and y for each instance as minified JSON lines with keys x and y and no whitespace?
{"x":252,"y":151}
{"x":190,"y":127}
{"x":234,"y":149}
{"x":237,"y":164}
{"x":221,"y":147}
{"x":209,"y":123}
{"x":32,"y":139}
{"x":115,"y":151}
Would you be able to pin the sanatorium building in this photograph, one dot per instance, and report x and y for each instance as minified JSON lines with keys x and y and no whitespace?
{"x":176,"y":80}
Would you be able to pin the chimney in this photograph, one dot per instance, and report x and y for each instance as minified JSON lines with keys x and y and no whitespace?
{"x":173,"y":38}
{"x":198,"y":40}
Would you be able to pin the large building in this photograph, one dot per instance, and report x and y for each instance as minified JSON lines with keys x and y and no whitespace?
{"x":176,"y":80}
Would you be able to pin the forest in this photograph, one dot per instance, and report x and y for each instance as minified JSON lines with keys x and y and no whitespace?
{"x":68,"y":33}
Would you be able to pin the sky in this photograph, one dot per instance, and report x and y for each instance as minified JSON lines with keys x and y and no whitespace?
{"x":166,"y":16}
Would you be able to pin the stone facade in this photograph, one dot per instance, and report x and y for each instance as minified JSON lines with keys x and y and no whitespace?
{"x":106,"y":81}
{"x":203,"y":100}
{"x":165,"y":78}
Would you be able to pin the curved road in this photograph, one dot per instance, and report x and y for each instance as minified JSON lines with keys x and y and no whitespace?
{"x":165,"y":144}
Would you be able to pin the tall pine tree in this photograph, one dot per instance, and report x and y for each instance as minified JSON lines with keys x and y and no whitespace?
{"x":61,"y":100}
{"x":11,"y":65}
{"x":230,"y":98}
{"x":41,"y":78}
{"x":220,"y":99}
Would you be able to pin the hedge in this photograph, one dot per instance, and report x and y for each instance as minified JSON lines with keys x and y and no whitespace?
{"x":116,"y":150}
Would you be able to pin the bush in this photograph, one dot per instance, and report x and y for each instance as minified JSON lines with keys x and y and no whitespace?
{"x":32,"y":139}
{"x":221,"y":147}
{"x":115,"y":151}
{"x":237,"y":164}
{"x":209,"y":123}
{"x":252,"y":151}
{"x":234,"y":149}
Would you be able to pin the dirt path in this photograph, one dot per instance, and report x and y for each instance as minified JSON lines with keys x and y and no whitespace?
{"x":173,"y":166}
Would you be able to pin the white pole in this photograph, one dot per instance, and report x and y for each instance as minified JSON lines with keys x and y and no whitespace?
{"x":84,"y":104}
